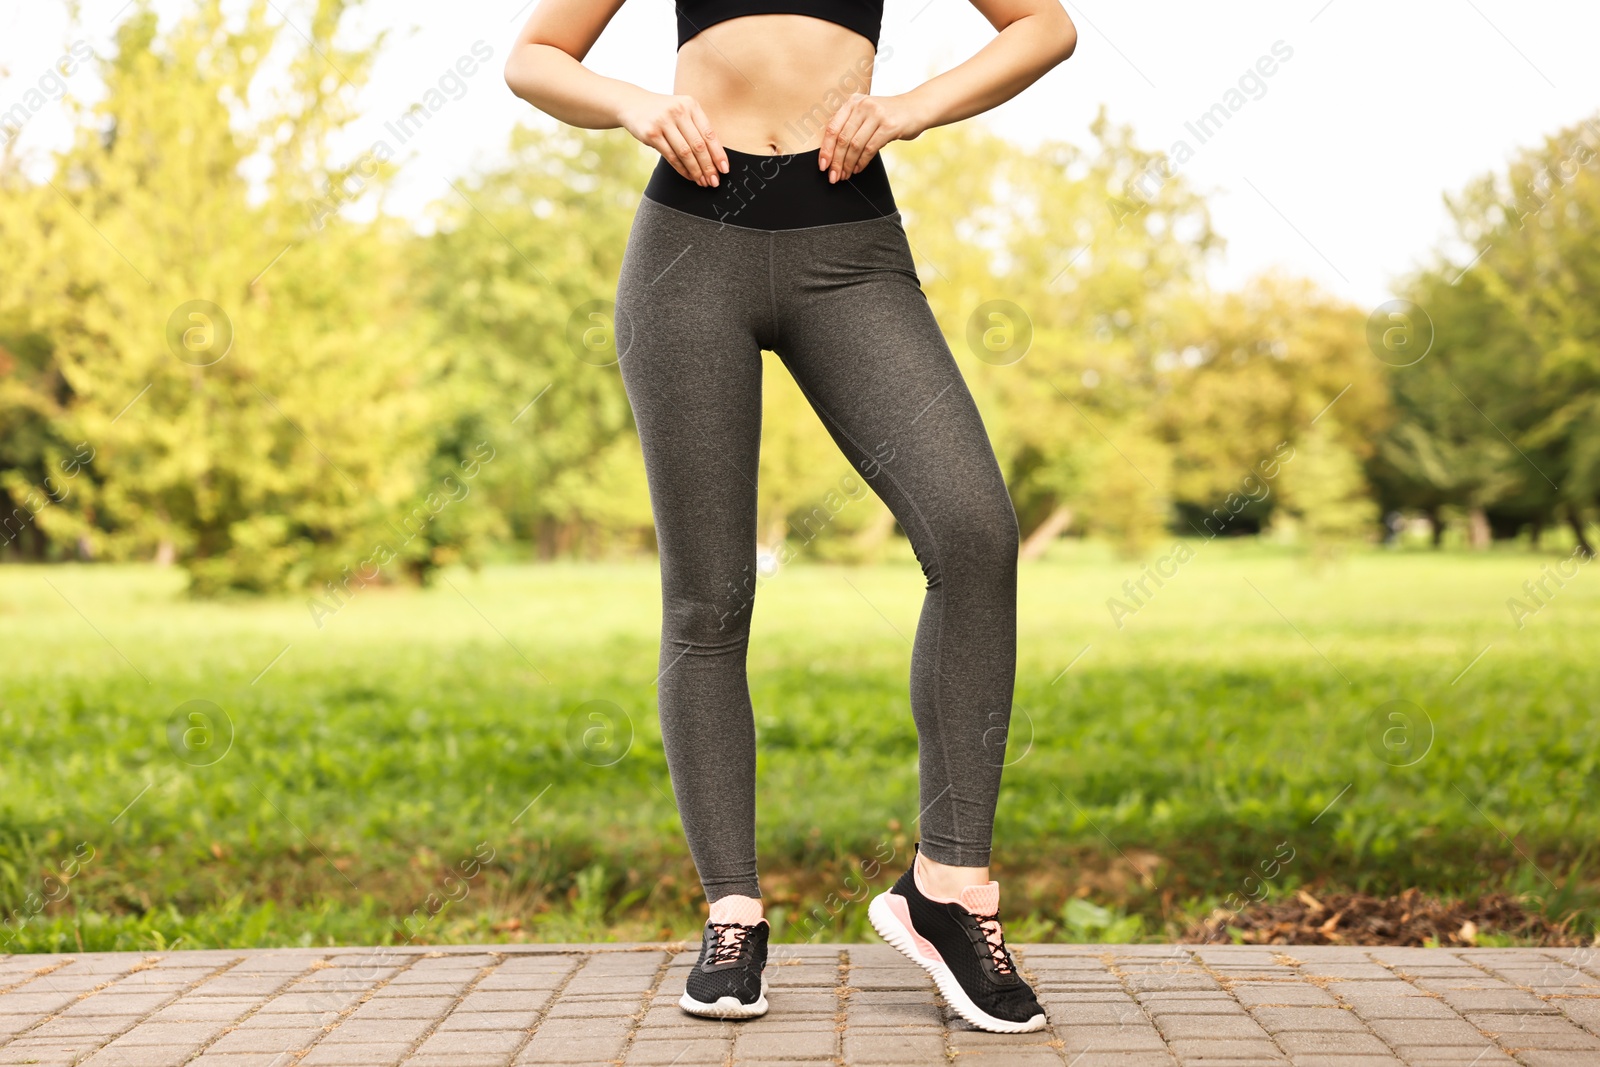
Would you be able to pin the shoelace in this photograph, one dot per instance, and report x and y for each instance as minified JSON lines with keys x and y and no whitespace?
{"x":726,"y":951}
{"x":995,"y":939}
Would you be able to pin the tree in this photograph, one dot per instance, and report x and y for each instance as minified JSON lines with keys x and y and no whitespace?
{"x":1519,"y":327}
{"x":243,"y":378}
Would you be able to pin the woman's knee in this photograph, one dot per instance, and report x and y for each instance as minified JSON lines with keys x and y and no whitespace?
{"x":983,"y":531}
{"x":707,"y":625}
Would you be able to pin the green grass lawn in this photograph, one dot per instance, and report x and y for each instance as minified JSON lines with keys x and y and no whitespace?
{"x":424,"y":764}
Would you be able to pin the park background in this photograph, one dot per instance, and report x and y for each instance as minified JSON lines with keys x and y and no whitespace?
{"x":329,"y":615}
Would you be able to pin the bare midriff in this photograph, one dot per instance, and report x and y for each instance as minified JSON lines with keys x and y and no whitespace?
{"x":769,"y":83}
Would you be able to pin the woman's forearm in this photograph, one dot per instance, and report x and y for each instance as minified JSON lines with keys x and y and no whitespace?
{"x":1018,"y":56}
{"x":560,"y":86}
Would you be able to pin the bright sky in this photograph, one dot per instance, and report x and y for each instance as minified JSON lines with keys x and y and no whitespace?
{"x":1333,"y":168}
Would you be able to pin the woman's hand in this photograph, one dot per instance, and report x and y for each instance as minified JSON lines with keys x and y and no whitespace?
{"x":862,"y":125}
{"x":676,"y":127}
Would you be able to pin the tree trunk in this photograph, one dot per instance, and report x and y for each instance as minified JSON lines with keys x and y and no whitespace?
{"x":1047,"y":531}
{"x":1477,"y":529}
{"x":1575,"y":520}
{"x":1436,"y":527}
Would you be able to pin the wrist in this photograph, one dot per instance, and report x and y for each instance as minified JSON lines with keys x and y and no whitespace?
{"x":629,"y":98}
{"x":920,"y":113}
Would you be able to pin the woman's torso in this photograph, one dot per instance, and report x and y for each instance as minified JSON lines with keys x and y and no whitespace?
{"x":769,"y":83}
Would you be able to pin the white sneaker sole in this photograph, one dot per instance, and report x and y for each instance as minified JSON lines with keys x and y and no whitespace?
{"x":892,"y":930}
{"x":726,"y":1007}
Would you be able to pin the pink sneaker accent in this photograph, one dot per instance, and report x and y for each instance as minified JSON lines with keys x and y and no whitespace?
{"x":897,"y":904}
{"x":736,"y":909}
{"x":981,"y":899}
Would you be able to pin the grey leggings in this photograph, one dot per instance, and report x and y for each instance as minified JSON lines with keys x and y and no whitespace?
{"x":841,"y":305}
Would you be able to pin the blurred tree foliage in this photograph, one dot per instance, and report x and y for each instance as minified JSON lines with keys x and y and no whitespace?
{"x":1516,"y":344}
{"x":205,"y":360}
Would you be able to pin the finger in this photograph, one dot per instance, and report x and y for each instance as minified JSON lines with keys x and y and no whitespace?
{"x":662,"y":145}
{"x":830,"y":133}
{"x":698,"y":148}
{"x":848,"y":149}
{"x":680,"y":146}
{"x":870,"y":152}
{"x":718,"y":157}
{"x":865,"y":143}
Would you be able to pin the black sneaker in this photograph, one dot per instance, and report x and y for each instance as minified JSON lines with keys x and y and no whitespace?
{"x":727,"y":981}
{"x":964,"y":949}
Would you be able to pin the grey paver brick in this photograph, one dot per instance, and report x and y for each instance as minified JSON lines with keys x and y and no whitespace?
{"x":167,"y":976}
{"x":404,"y":1008}
{"x":1032,"y":1057}
{"x":143,"y":1056}
{"x":1539,"y":1058}
{"x":134,"y":1004}
{"x":1272,"y":994}
{"x":240,"y":1059}
{"x":154,"y":1033}
{"x":1210,"y":1026}
{"x":1132,"y":1038}
{"x":23,"y":1003}
{"x":504,"y":1000}
{"x":368,"y":1055}
{"x":879,"y":978}
{"x":609,"y":985}
{"x":1277,"y":1020}
{"x":1463,"y":1056}
{"x":265,"y":1040}
{"x":1166,"y":995}
{"x":790,"y":1045}
{"x":1585,"y":1013}
{"x":53,"y":1054}
{"x":296,"y":1003}
{"x":1093,"y":1013}
{"x":489,"y":1020}
{"x":1399,"y":1007}
{"x":544,"y":1049}
{"x":421,"y":989}
{"x":377,"y":1031}
{"x":637,"y":963}
{"x":308,"y":1020}
{"x":238,"y":985}
{"x":1171,"y":981}
{"x":501,"y":1043}
{"x":192,"y":1009}
{"x":892,"y":1049}
{"x":1209,"y":1050}
{"x":587,"y":1009}
{"x":1493,"y":1000}
{"x":1507,"y":1024}
{"x":1361,"y":987}
{"x":1316,"y":969}
{"x":60,"y":983}
{"x":1427,"y":1032}
{"x":585,"y":1029}
{"x":1301,"y":1042}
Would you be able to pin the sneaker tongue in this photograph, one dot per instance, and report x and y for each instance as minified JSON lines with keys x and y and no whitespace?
{"x":981,"y":899}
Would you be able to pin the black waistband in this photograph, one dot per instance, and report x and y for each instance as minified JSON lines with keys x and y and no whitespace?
{"x":784,"y":192}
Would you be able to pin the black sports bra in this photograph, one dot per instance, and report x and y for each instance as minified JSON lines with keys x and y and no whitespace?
{"x":863,"y":16}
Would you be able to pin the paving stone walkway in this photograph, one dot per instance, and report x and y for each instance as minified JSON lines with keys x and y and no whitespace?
{"x":1109,"y":1006}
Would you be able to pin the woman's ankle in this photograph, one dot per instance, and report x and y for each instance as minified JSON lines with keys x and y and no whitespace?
{"x":941,"y":881}
{"x":735,"y":908}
